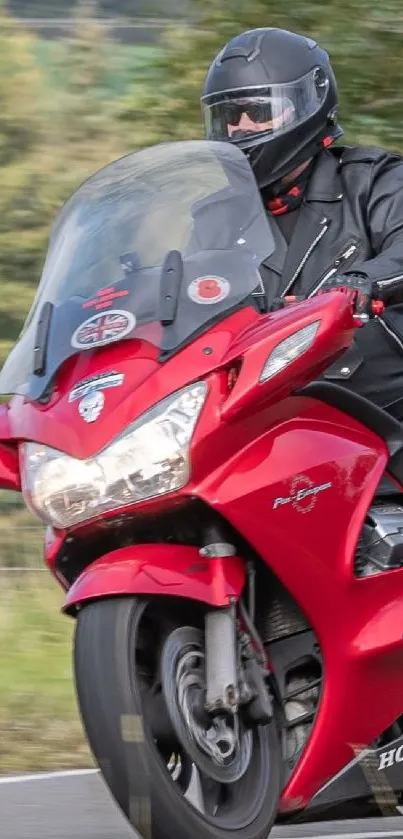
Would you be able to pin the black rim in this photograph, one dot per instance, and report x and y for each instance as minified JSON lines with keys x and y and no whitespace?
{"x":222,"y":805}
{"x":220,"y":746}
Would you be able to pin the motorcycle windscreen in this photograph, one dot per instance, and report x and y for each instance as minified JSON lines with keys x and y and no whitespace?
{"x":106,"y":278}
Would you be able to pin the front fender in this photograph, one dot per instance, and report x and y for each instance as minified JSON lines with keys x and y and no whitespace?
{"x":172,"y":570}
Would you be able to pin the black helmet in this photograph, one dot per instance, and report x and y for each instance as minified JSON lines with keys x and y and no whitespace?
{"x":274,"y":94}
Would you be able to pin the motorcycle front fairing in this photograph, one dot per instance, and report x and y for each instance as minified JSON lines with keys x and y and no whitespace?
{"x":143,"y":259}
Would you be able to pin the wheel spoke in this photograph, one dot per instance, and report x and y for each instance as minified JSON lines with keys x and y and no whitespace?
{"x":212,"y":793}
{"x":195,"y":794}
{"x":204,"y":793}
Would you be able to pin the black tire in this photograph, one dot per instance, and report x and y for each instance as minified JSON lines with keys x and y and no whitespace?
{"x":109,"y":697}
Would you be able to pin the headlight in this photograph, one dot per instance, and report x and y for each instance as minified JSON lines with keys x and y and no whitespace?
{"x":149,"y":459}
{"x":289,"y":349}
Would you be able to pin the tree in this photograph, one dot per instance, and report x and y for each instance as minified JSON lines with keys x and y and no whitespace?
{"x":40,"y":8}
{"x":80,"y":112}
{"x":49,"y":142}
{"x":21,"y":127}
{"x":20,"y":93}
{"x":112,"y":8}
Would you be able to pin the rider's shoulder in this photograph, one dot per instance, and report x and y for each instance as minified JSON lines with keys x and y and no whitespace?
{"x":373,"y":155}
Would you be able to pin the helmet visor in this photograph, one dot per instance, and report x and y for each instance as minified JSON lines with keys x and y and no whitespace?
{"x":247,"y":113}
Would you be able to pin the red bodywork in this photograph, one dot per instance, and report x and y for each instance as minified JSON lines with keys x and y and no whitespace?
{"x":173,"y":570}
{"x":255,"y":446}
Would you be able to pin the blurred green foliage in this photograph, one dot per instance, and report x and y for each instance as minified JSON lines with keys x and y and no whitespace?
{"x":71,"y":105}
{"x":110,"y":8}
{"x":363,"y":38}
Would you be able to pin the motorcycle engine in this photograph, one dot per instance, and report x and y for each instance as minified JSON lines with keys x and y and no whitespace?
{"x":380,"y":546}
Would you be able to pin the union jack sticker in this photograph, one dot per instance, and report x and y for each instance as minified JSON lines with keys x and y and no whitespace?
{"x":103,"y":329}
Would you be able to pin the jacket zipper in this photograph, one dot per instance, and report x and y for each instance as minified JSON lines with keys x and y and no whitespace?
{"x":389,"y":331}
{"x":339,"y":265}
{"x":306,"y":256}
{"x":383,"y":283}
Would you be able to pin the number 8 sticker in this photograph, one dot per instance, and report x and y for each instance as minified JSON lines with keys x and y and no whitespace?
{"x":208,"y":290}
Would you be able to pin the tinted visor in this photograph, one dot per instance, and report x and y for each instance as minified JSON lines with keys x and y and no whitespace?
{"x":259,"y":109}
{"x":272,"y":110}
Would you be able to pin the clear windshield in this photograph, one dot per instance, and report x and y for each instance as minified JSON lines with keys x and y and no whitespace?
{"x":103,"y":279}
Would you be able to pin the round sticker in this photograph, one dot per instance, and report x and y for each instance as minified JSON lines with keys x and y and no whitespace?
{"x":208,"y":290}
{"x":103,"y":329}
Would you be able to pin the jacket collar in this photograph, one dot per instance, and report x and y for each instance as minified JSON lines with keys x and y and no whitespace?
{"x":325,"y":183}
{"x":324,"y":186}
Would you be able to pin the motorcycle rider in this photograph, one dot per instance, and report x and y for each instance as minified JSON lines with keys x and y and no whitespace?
{"x":336,"y":211}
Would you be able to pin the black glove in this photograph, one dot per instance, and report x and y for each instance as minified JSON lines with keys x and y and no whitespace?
{"x":356,"y":286}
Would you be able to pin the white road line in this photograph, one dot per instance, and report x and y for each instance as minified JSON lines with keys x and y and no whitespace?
{"x":376,"y":834}
{"x":74,"y":773}
{"x":47,"y":776}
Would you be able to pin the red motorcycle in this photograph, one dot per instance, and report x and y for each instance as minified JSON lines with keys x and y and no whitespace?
{"x":227,"y":525}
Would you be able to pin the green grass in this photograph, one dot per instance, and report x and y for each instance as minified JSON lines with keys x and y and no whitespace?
{"x":40,"y":728}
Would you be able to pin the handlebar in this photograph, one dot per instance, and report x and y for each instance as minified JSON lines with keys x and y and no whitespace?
{"x":364,"y":307}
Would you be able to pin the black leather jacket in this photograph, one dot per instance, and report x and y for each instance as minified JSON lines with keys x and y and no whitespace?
{"x":351,"y":219}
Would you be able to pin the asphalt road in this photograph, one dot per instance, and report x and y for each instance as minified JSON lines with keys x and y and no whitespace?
{"x":78,"y":806}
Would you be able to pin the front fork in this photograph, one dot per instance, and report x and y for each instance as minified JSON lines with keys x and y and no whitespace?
{"x":235,"y":660}
{"x":221,"y":651}
{"x":236,"y":674}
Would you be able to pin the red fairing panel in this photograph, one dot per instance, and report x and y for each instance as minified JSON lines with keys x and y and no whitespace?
{"x":58,"y":423}
{"x":146,"y":381}
{"x":299,"y":495}
{"x":9,"y":462}
{"x":9,"y":468}
{"x":172,"y":570}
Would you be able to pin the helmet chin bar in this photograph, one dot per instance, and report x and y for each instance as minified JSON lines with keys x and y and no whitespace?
{"x":266,"y":177}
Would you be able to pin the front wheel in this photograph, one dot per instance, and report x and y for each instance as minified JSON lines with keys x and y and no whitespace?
{"x":168,"y":779}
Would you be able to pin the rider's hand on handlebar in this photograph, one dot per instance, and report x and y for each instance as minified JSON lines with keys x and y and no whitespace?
{"x":356,"y":286}
{"x":359,"y":289}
